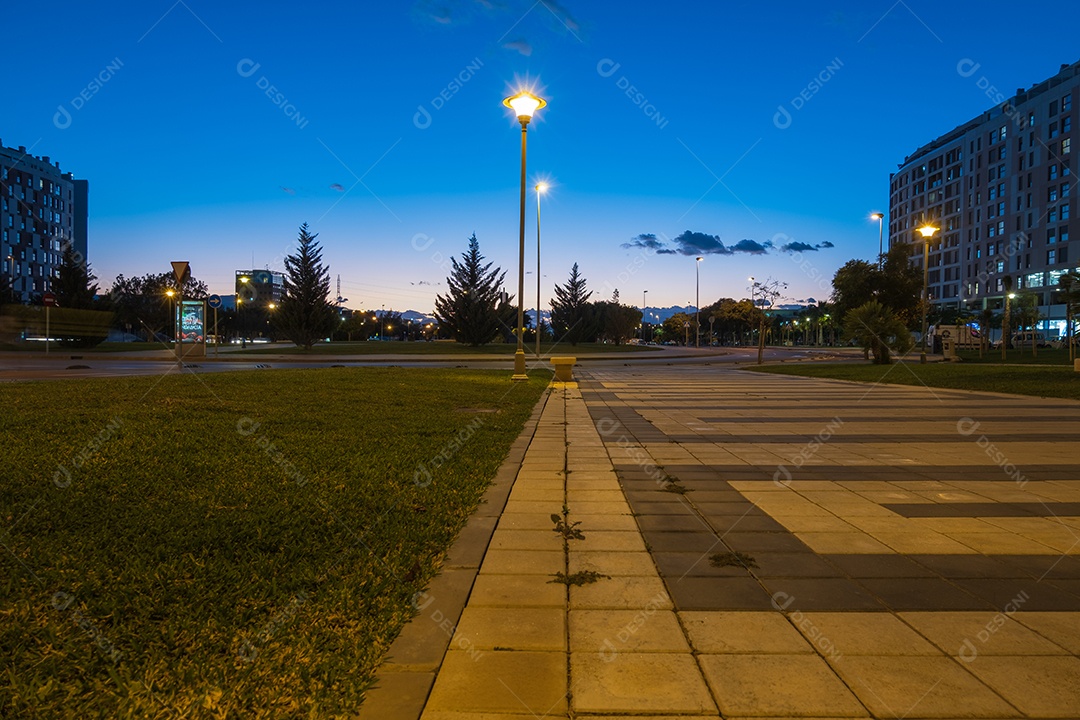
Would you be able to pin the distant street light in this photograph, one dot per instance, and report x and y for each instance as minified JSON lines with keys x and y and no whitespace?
{"x":524,"y":104}
{"x":927,"y":231}
{"x":1005,"y":323}
{"x":880,"y":233}
{"x":643,"y":294}
{"x":244,"y":279}
{"x":697,"y":301}
{"x":540,"y":188}
{"x":172,"y":310}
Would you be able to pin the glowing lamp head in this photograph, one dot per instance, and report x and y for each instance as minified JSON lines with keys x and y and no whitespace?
{"x":541,"y":187}
{"x":927,"y":231}
{"x":244,"y":278}
{"x":524,"y":104}
{"x":170,"y":292}
{"x":698,"y":258}
{"x":877,"y":216}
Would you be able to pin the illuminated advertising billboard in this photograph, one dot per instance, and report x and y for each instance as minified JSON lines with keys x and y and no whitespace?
{"x":192,"y":321}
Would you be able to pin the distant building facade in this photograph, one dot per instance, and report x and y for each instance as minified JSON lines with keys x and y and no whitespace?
{"x":42,"y":211}
{"x":259,"y":287}
{"x":1001,"y":191}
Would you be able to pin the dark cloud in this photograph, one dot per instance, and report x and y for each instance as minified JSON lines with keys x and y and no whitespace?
{"x":645,"y":241}
{"x":562,"y":14}
{"x":698,"y":243}
{"x":338,"y":187}
{"x":798,"y":247}
{"x":288,"y":190}
{"x":752,"y":247}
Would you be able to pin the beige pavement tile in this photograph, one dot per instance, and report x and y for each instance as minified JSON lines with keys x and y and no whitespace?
{"x":843,"y":543}
{"x":532,"y":507}
{"x":1038,"y":686}
{"x":1065,"y":542}
{"x":812,"y":523}
{"x":500,"y":682}
{"x":603,"y":522}
{"x":638,"y":683}
{"x":616,"y":631}
{"x":576,"y":497}
{"x":626,"y":592}
{"x":531,"y":521}
{"x":743,"y":632}
{"x":588,"y":507}
{"x":523,"y":562}
{"x":530,"y":628}
{"x":772,"y":685}
{"x":610,"y":540}
{"x":925,"y":542}
{"x":891,"y":523}
{"x":491,"y":590}
{"x":1000,"y":543}
{"x":862,"y":633}
{"x":613,"y":563}
{"x":1063,"y":628}
{"x":967,"y":634}
{"x":949,"y":525}
{"x":506,"y":539}
{"x":919,"y":687}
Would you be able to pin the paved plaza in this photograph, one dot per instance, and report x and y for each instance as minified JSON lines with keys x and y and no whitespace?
{"x":760,"y":546}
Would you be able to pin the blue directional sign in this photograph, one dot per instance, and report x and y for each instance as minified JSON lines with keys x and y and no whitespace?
{"x":214,"y":301}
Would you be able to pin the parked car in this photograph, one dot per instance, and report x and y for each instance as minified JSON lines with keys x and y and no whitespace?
{"x":1024,"y":340}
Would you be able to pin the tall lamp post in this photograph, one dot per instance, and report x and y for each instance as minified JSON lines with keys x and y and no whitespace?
{"x":880,"y":217}
{"x":540,"y":188}
{"x":172,"y":310}
{"x":524,"y":104}
{"x":643,"y":294}
{"x":239,"y":313}
{"x":927,"y":231}
{"x":697,"y":301}
{"x":1005,"y":323}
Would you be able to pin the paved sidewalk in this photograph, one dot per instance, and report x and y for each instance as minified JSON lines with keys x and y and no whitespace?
{"x":768,"y":546}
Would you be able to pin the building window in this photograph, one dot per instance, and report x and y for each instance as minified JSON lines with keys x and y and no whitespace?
{"x":1052,"y":172}
{"x":1064,"y":234}
{"x":1051,"y":237}
{"x":1066,"y":124}
{"x":1065,"y":211}
{"x":1066,"y":102}
{"x":1066,"y":146}
{"x":1051,"y":257}
{"x":1053,"y":130}
{"x":1052,"y":194}
{"x":1051,"y":215}
{"x":1064,"y":190}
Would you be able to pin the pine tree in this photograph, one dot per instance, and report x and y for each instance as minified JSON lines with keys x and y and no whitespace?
{"x":473,"y":312}
{"x":570,"y":316}
{"x":75,"y":288}
{"x":305,"y":315}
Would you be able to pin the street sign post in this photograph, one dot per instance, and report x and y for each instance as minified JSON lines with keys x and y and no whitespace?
{"x":214,"y":301}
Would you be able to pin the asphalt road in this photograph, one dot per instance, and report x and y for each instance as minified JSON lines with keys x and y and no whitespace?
{"x":16,"y":367}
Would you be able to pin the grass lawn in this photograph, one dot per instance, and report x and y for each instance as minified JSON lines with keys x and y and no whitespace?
{"x":1046,"y":356}
{"x":439,"y":347}
{"x":1041,"y":381}
{"x":231,"y":545}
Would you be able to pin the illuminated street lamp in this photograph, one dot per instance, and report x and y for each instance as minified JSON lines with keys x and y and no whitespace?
{"x":244,"y":279}
{"x":524,"y":104}
{"x":880,"y":233}
{"x":540,"y":188}
{"x":1005,"y":325}
{"x":172,"y":309}
{"x":927,"y":231}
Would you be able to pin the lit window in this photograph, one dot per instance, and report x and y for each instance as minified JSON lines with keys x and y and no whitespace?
{"x":1066,"y":102}
{"x":1066,"y":146}
{"x":1052,"y":195}
{"x":1051,"y":257}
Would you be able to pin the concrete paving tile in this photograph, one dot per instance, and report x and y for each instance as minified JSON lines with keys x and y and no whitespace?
{"x":824,"y":594}
{"x":506,"y":539}
{"x":575,"y":498}
{"x":772,"y":685}
{"x":491,"y":590}
{"x":862,"y":633}
{"x":799,"y":523}
{"x":1062,"y":628}
{"x":973,"y":566}
{"x":1000,"y":543}
{"x":757,"y":633}
{"x":890,"y":565}
{"x":843,"y":542}
{"x":625,"y":592}
{"x":501,"y":682}
{"x":523,"y":562}
{"x":613,"y":563}
{"x":922,"y":542}
{"x":638,"y":683}
{"x":396,"y":696}
{"x":1008,"y":594}
{"x":514,"y":628}
{"x":649,"y":629}
{"x":793,"y":565}
{"x":701,"y":542}
{"x":526,"y":521}
{"x":610,"y":540}
{"x":723,"y":593}
{"x":971,"y":634}
{"x":754,"y":542}
{"x":532,"y":507}
{"x":604,"y":522}
{"x":900,"y":594}
{"x":919,"y":687}
{"x":1038,"y":686}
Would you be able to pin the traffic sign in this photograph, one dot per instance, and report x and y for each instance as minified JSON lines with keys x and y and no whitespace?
{"x":214,"y":301}
{"x":180,"y":270}
{"x":49,"y":299}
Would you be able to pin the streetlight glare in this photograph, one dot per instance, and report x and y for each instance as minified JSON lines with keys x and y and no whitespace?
{"x":927,"y":231}
{"x":524,"y":104}
{"x":542,"y":187}
{"x":877,"y":216}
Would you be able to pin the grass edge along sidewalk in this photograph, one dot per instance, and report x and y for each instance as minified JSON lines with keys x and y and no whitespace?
{"x":1034,"y":380}
{"x":239,"y":544}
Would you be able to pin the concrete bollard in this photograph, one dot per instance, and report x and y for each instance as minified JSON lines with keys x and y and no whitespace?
{"x":564,"y":368}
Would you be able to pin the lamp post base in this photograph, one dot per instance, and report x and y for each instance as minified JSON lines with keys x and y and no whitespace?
{"x":519,"y":367}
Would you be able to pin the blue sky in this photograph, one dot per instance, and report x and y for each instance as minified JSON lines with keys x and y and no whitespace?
{"x":210,"y":131}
